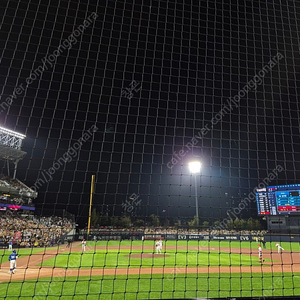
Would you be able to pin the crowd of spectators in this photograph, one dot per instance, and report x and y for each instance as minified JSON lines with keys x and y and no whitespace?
{"x":115,"y":229}
{"x":173,"y":230}
{"x":211,"y":231}
{"x":33,"y":231}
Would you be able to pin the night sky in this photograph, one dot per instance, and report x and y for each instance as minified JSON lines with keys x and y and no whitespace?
{"x":187,"y":58}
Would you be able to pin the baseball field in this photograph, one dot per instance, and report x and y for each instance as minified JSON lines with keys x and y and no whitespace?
{"x":133,"y":270}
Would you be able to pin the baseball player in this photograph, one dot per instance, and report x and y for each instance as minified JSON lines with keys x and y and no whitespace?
{"x":10,"y":244}
{"x":157,"y":245}
{"x":279,"y":248}
{"x":261,"y":260}
{"x":69,"y":242}
{"x":160,"y":245}
{"x":13,"y":262}
{"x":83,"y":244}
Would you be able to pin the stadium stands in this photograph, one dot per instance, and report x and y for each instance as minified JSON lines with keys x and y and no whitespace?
{"x":33,"y":231}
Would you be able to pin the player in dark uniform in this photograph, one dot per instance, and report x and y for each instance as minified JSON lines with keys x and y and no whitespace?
{"x":69,"y":242}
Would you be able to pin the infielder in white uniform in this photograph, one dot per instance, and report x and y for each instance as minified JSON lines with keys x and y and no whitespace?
{"x":279,"y":248}
{"x":157,"y":245}
{"x":83,"y":244}
{"x":160,"y":245}
{"x":261,"y":260}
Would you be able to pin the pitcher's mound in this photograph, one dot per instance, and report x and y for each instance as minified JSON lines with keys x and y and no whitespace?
{"x":147,"y":255}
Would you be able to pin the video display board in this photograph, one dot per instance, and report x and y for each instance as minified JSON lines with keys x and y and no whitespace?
{"x":280,"y":199}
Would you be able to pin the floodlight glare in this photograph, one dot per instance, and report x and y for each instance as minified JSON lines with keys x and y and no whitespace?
{"x":195,"y":166}
{"x":12,"y":133}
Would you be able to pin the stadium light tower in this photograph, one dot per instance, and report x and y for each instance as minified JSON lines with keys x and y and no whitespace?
{"x":10,"y":147}
{"x":195,"y":167}
{"x":11,"y":138}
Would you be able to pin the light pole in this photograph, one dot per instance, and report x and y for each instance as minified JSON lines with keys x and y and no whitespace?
{"x":195,"y":167}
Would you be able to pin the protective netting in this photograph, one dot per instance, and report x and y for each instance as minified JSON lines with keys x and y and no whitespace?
{"x":133,"y":92}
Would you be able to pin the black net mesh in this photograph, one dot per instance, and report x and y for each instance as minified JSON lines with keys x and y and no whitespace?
{"x":133,"y":92}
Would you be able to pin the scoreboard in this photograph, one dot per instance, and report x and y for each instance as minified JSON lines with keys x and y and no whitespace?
{"x":278,"y":200}
{"x":262,"y":202}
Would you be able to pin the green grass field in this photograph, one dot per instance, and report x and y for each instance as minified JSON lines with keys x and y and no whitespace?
{"x":154,"y":286}
{"x":114,"y":259}
{"x":4,"y":253}
{"x":295,"y":247}
{"x":122,"y":258}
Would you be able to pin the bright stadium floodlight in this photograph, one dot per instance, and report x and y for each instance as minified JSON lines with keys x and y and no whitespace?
{"x":11,"y":138}
{"x":13,"y":133}
{"x":195,"y":167}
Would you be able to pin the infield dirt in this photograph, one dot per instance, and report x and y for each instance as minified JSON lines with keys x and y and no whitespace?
{"x":27,"y":267}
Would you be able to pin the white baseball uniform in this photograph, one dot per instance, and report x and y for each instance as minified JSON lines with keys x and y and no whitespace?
{"x":260,"y":254}
{"x":279,"y":248}
{"x":83,"y":244}
{"x":157,"y":244}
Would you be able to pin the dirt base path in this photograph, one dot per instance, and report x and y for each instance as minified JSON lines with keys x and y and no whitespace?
{"x":27,"y":266}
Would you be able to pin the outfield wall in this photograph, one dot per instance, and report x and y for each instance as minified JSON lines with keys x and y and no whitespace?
{"x":197,"y":237}
{"x":190,"y":237}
